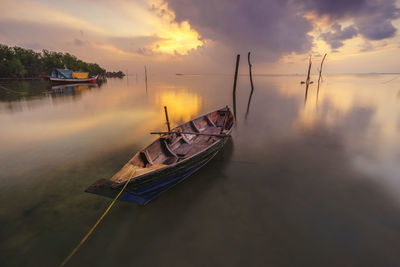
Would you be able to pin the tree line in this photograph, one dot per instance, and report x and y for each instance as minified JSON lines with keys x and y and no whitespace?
{"x":18,"y":62}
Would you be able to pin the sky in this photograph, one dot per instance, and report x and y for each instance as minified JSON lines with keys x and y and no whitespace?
{"x":192,"y":36}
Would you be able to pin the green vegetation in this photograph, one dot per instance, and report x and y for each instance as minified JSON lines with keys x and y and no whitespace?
{"x":17,"y":62}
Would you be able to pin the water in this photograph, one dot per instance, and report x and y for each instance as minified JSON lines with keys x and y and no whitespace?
{"x":303,"y":182}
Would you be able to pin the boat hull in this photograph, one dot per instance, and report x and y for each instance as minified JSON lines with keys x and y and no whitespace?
{"x":149,"y":187}
{"x":74,"y":80}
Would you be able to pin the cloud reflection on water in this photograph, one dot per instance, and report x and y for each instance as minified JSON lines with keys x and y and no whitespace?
{"x":319,"y":172}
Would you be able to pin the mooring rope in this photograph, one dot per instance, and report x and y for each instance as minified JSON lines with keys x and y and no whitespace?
{"x":97,"y":223}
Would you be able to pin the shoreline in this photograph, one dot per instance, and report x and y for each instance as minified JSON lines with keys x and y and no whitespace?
{"x":19,"y":79}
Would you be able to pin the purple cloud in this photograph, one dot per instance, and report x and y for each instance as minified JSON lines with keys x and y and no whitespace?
{"x":268,"y":28}
{"x":272,"y":28}
{"x":333,"y":8}
{"x":372,"y":18}
{"x":336,"y":37}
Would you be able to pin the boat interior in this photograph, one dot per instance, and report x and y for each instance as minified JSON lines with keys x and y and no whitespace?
{"x":174,"y":147}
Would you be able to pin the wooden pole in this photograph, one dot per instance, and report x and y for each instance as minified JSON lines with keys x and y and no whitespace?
{"x":320,"y":70}
{"x":252,"y":86}
{"x":234,"y":85}
{"x":251,"y":77}
{"x":236,"y":73}
{"x":320,"y":75}
{"x":166,"y":116}
{"x":145,"y":76}
{"x":308,"y":73}
{"x":308,"y":80}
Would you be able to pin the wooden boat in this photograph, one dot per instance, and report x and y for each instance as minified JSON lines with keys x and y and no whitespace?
{"x":169,"y":159}
{"x":68,"y":76}
{"x":91,"y":79}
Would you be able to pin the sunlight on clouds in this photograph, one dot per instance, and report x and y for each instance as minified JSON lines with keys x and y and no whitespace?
{"x":110,"y":48}
{"x":123,"y":19}
{"x":354,"y":56}
{"x":177,"y":38}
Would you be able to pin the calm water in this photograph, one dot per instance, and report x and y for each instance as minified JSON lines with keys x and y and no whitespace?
{"x":303,"y":182}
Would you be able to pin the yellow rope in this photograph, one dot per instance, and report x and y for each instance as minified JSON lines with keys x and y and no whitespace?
{"x":97,"y":223}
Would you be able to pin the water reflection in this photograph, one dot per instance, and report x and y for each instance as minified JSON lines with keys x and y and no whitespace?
{"x":19,"y":90}
{"x":368,"y":118}
{"x":182,"y":105}
{"x":313,"y":169}
{"x":306,"y":95}
{"x":234,"y":104}
{"x":248,"y":103}
{"x":72,"y":88}
{"x":17,"y":96}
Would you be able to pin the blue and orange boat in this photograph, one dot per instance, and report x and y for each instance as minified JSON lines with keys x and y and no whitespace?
{"x":68,"y":76}
{"x":170,"y":159}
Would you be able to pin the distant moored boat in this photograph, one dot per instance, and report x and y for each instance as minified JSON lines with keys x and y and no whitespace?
{"x":69,"y":76}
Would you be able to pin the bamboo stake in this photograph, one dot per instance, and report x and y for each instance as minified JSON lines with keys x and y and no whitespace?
{"x":251,"y":77}
{"x":308,"y":73}
{"x":166,"y":116}
{"x":252,"y":86}
{"x":320,"y":75}
{"x":236,"y":73}
{"x":234,"y":84}
{"x":320,"y":70}
{"x":308,"y":79}
{"x":145,"y":76}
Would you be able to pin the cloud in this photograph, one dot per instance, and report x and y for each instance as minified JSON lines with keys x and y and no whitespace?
{"x":368,"y":46}
{"x":40,"y":36}
{"x":198,"y":35}
{"x":137,"y":44}
{"x":375,"y":27}
{"x":372,"y":18}
{"x":269,"y":28}
{"x":335,"y":9}
{"x":275,"y":28}
{"x":336,"y":37}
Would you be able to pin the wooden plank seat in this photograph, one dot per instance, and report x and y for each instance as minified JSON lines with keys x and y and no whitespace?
{"x":146,"y":158}
{"x":195,"y":127}
{"x":221,"y":119}
{"x":182,"y":150}
{"x":210,"y":121}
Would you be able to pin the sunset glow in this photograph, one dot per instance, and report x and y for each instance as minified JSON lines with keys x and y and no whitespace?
{"x":127,"y":34}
